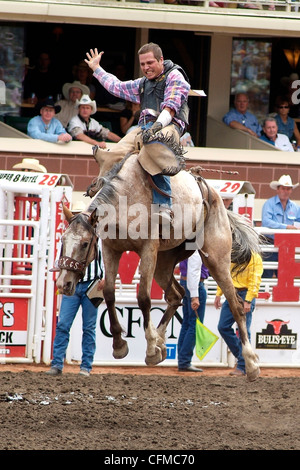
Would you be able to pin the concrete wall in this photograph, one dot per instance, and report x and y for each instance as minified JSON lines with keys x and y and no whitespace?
{"x":219,"y":135}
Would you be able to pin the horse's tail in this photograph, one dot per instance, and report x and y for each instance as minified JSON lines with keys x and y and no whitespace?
{"x":245,"y":241}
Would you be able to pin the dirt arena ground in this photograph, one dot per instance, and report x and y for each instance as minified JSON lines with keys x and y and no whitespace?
{"x":124,"y":408}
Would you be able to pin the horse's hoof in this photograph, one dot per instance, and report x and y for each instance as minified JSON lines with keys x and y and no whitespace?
{"x":155,"y":359}
{"x":121,"y":352}
{"x":164,"y":352}
{"x":253,"y":375}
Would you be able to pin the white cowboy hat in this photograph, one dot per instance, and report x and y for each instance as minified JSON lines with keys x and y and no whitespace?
{"x":86,"y":100}
{"x":67,"y":86}
{"x":30,"y":164}
{"x":284,"y":180}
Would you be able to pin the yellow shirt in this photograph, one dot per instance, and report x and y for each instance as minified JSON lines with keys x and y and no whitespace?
{"x":250,"y":278}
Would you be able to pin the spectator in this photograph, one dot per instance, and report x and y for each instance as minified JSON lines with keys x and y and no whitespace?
{"x":286,"y":124}
{"x":71,"y":92}
{"x":270,"y":135}
{"x":129,"y":117}
{"x":30,"y":164}
{"x":289,"y":87}
{"x":240,"y":118}
{"x":68,"y":310}
{"x":247,"y":284}
{"x":193,"y":273}
{"x":279,"y":212}
{"x":40,"y":81}
{"x":186,"y":140}
{"x":85,"y":76}
{"x":46,"y":126}
{"x":83,"y":127}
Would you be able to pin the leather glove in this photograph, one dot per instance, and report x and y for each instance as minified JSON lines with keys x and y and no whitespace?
{"x":147,"y":134}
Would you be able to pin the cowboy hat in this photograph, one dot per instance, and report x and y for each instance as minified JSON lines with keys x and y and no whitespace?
{"x":67,"y":86}
{"x":86,"y":100}
{"x":49,"y":103}
{"x":284,"y":180}
{"x":30,"y":164}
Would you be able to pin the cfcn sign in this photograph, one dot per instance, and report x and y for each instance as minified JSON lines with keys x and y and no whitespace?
{"x":288,"y":267}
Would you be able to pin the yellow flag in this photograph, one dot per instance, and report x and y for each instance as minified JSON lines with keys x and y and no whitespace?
{"x":205,"y":339}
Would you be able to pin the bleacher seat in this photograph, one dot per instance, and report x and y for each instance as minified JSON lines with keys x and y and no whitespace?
{"x":18,"y":122}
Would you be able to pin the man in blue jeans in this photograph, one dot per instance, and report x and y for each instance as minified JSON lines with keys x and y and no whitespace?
{"x":68,"y":310}
{"x":247,"y":285}
{"x":192,"y":275}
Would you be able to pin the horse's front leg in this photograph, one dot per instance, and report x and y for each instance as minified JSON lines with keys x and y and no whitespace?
{"x":154,"y":353}
{"x":174,"y":292}
{"x":111,"y":262}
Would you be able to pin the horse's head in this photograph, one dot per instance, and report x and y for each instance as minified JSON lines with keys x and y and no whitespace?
{"x":79,"y":248}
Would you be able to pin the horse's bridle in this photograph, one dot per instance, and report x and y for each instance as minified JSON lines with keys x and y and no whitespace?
{"x":71,"y":264}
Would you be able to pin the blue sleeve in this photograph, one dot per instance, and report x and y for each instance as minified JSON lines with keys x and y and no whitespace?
{"x":34,"y":131}
{"x":228,"y":117}
{"x":267,"y":219}
{"x":59,"y":128}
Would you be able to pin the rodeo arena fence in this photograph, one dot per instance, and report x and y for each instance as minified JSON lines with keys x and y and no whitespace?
{"x":31,"y":225}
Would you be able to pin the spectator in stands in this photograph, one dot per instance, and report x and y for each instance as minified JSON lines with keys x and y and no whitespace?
{"x":129,"y":117}
{"x":40,"y":81}
{"x":286,"y":124}
{"x":289,"y":88}
{"x":186,"y":140}
{"x":84,"y":75}
{"x":71,"y":92}
{"x":46,"y":126}
{"x":83,"y":127}
{"x":192,"y":276}
{"x":270,"y":134}
{"x":247,"y":283}
{"x":30,"y":164}
{"x":279,"y":212}
{"x":240,"y":118}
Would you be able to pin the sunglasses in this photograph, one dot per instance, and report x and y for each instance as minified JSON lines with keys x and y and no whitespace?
{"x":283,"y":107}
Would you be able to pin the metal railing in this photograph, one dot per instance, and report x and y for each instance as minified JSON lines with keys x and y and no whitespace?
{"x":255,"y":7}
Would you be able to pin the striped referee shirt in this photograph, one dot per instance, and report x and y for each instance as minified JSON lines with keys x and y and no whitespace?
{"x":95,"y":268}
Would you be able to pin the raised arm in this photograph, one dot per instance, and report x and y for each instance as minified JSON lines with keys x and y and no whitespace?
{"x":93,"y":59}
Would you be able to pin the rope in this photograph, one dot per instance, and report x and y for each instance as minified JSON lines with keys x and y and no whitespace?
{"x":199,"y":169}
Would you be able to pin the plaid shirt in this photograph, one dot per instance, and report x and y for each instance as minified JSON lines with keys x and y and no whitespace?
{"x":176,"y":92}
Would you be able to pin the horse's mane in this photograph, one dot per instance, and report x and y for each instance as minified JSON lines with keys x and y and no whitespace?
{"x":108,"y":190}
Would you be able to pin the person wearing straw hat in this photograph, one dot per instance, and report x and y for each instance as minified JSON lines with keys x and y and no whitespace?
{"x":45,"y":126}
{"x":279,"y":212}
{"x":71,"y":93}
{"x":30,"y":164}
{"x":83,"y":127}
{"x":68,"y":311}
